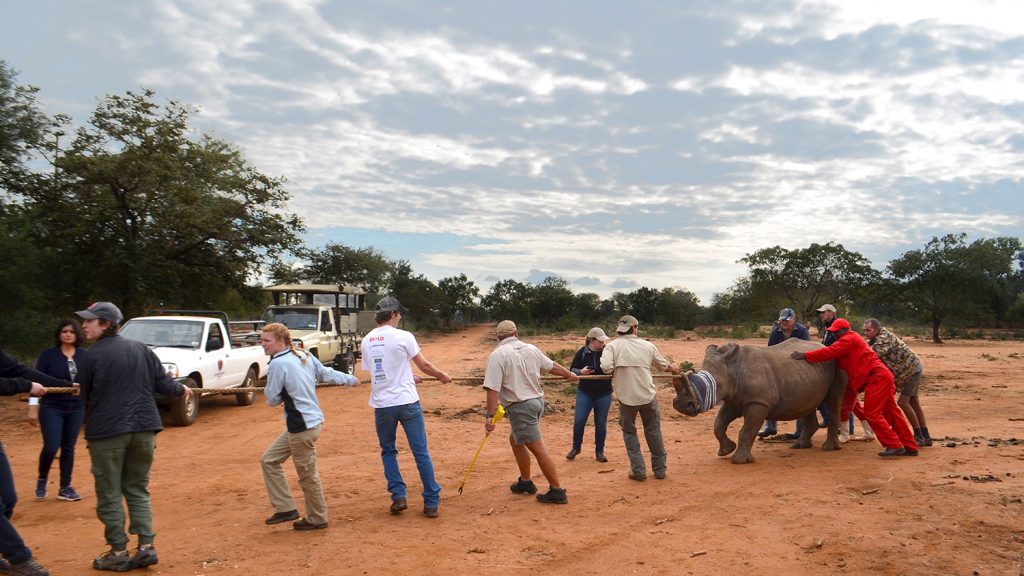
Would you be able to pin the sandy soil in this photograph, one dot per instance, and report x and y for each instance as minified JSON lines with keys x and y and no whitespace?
{"x":956,"y":509}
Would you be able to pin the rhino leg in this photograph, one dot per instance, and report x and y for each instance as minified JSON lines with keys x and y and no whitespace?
{"x":835,"y":401}
{"x":726,"y":414}
{"x":753,"y":419}
{"x":810,"y":427}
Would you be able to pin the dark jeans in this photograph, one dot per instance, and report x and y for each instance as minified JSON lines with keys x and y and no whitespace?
{"x":411,"y":418}
{"x":11,"y":545}
{"x":120,"y":465}
{"x":60,"y":426}
{"x":584,"y":404}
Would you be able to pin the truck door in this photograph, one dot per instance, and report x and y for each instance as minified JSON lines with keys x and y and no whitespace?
{"x":330,"y":336}
{"x":216,"y":355}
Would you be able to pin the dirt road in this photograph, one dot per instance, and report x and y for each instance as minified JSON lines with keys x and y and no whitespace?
{"x":953,"y":510}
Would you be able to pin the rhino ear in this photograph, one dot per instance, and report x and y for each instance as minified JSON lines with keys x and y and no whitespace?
{"x":729,"y":350}
{"x":711,"y":349}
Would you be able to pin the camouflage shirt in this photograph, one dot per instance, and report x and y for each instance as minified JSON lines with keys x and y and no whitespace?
{"x":896,"y":355}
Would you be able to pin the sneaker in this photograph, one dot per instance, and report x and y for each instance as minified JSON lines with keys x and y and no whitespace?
{"x":112,"y":561}
{"x":909,"y":452}
{"x":27,"y":568}
{"x":523,"y":487}
{"x":144,"y":556}
{"x":660,"y":475}
{"x":890,"y":452}
{"x":637,"y":477}
{"x":553,"y":496}
{"x":305,"y":524}
{"x":789,"y":436}
{"x":397,"y":506}
{"x":766,"y":433}
{"x":41,"y":489}
{"x":430,"y":512}
{"x":926,"y":441}
{"x":572,"y":454}
{"x":600,"y":457}
{"x":279,"y":517}
{"x":68,"y":494}
{"x":844,"y":436}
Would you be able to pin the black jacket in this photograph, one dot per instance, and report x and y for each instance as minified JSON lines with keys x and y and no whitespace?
{"x":11,"y":368}
{"x":12,"y":386}
{"x":119,"y":380}
{"x":587,"y":357}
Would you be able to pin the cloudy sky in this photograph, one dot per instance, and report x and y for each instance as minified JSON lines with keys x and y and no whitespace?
{"x":615,"y":144}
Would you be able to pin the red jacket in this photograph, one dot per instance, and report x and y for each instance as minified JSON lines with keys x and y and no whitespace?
{"x":853,"y":356}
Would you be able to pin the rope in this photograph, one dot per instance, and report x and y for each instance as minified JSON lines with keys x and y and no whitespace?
{"x":246,"y":390}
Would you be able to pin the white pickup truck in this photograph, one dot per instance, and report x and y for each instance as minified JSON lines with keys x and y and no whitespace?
{"x":199,"y":352}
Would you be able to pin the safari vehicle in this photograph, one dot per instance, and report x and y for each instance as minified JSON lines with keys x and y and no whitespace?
{"x":324,"y":319}
{"x":197,"y":350}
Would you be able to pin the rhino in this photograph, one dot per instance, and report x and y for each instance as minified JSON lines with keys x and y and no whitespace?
{"x":756,"y":382}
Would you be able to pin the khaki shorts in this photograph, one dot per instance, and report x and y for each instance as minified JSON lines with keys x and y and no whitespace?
{"x":913,"y":384}
{"x":525,"y":420}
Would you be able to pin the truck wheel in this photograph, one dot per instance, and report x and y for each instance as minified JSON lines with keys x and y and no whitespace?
{"x":185,"y":408}
{"x":350,"y":363}
{"x":249,"y":382}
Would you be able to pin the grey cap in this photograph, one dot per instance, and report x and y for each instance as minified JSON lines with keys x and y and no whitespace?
{"x":390,"y":304}
{"x":104,"y":310}
{"x":786,"y":314}
{"x":597,"y":333}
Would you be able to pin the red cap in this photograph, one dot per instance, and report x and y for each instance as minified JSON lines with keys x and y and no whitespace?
{"x":838,"y":324}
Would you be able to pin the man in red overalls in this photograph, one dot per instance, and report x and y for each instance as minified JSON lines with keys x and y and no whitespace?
{"x":865,"y":372}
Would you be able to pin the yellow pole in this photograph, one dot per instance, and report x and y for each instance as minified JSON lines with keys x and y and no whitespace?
{"x":498,"y":415}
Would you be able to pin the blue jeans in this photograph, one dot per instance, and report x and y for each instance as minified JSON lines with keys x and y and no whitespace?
{"x":411,"y":417}
{"x":11,"y":545}
{"x":60,"y":426}
{"x":584,"y":404}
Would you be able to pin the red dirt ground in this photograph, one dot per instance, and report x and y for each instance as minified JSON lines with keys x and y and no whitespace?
{"x":793,"y":511}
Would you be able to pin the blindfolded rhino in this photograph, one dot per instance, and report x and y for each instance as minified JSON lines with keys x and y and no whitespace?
{"x":757,"y":383}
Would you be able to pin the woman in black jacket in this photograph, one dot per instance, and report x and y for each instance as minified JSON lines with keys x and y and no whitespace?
{"x":61,"y":415}
{"x":591,"y":394}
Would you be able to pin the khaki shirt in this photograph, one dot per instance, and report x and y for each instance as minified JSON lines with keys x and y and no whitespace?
{"x":896,"y":356}
{"x":632,"y":358}
{"x":514,"y":369}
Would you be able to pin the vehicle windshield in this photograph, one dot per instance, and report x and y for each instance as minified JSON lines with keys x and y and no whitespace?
{"x":167,"y":333}
{"x":293,"y":319}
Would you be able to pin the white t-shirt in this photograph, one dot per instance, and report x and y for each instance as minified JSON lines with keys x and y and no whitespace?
{"x":386,"y":354}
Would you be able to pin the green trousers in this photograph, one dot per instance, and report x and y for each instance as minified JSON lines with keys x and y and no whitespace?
{"x":120,"y":465}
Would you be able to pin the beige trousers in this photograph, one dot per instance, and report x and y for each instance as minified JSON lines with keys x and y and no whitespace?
{"x":301,"y":448}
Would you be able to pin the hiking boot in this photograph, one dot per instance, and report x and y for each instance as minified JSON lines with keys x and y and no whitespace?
{"x":41,"y":489}
{"x":430,"y":511}
{"x":890,"y":452}
{"x":600,"y":457}
{"x":144,"y":556}
{"x":397,"y":506}
{"x":27,"y":568}
{"x":909,"y":452}
{"x":523,"y":487}
{"x":637,"y":477}
{"x":766,"y":433}
{"x":113,"y":561}
{"x":660,"y":475}
{"x":926,"y":441}
{"x":305,"y":524}
{"x":572,"y":454}
{"x":553,"y":496}
{"x":279,"y":517}
{"x":68,"y":494}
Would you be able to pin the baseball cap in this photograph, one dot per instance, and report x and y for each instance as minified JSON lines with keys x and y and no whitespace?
{"x":390,"y":304}
{"x":786,"y":314}
{"x":828,"y":307}
{"x":597,"y":333}
{"x":838,"y":324}
{"x":625,"y":323}
{"x":104,"y":310}
{"x":505,"y":329}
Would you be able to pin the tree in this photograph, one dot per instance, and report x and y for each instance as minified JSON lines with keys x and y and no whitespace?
{"x":366,"y":268}
{"x":948,"y":277}
{"x":550,"y":300}
{"x":458,"y":294}
{"x":23,"y":129}
{"x":415,"y":292}
{"x":677,"y":307}
{"x":508,"y":300}
{"x":142,"y":212}
{"x":808,"y":277}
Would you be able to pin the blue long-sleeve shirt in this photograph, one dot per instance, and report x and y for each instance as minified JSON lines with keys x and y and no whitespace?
{"x":292,"y":382}
{"x":777,"y":335}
